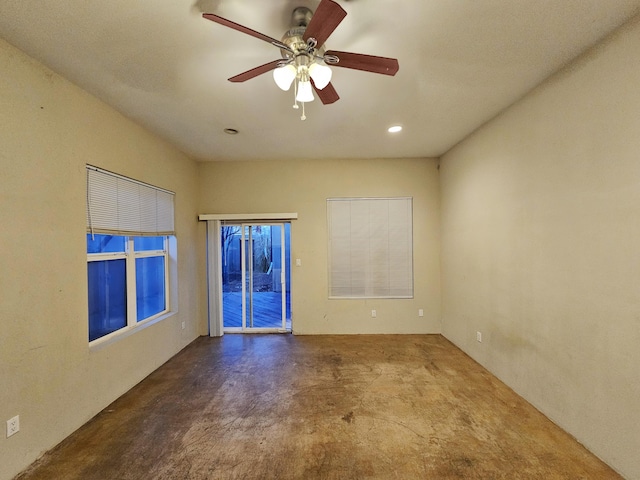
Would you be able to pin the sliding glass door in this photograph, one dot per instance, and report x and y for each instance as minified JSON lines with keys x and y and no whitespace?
{"x":255,"y":265}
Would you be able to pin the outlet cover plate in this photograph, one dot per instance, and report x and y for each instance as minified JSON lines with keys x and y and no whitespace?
{"x":13,"y":426}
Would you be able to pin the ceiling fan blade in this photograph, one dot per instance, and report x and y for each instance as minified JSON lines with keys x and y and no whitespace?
{"x":367,"y":63}
{"x":327,"y":95}
{"x":243,"y":29}
{"x":327,"y":17}
{"x":254,"y":72}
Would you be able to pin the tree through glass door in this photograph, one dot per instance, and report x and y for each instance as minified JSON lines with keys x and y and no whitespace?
{"x":255,"y":277}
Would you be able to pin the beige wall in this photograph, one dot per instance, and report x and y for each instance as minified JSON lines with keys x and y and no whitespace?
{"x":541,"y":248}
{"x":303,"y":187}
{"x":49,"y":129}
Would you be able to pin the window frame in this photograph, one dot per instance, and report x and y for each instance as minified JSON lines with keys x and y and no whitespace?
{"x":130,"y":255}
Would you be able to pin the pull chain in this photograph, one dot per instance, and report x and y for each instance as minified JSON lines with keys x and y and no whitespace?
{"x":295,"y":94}
{"x":295,"y":100}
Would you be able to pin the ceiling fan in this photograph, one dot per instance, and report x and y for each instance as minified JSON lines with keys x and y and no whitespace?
{"x":305,"y":61}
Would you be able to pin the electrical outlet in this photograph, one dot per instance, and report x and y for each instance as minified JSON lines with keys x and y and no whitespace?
{"x":13,"y":425}
{"x":421,"y":313}
{"x":183,"y":325}
{"x":479,"y":336}
{"x":374,"y":314}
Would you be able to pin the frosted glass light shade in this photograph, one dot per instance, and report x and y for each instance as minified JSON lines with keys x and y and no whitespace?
{"x":284,"y":76}
{"x":305,"y":93}
{"x":321,"y":75}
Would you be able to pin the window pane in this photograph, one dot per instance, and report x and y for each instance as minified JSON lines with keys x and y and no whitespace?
{"x":105,"y":243}
{"x":150,"y":287}
{"x":148,"y":243}
{"x":107,"y":297}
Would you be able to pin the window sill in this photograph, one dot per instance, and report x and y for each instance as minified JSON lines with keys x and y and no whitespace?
{"x":102,"y":342}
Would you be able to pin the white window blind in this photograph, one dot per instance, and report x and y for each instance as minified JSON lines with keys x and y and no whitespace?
{"x":121,"y":206}
{"x":370,"y":247}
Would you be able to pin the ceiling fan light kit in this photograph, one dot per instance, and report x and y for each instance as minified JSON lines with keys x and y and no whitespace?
{"x":305,"y":61}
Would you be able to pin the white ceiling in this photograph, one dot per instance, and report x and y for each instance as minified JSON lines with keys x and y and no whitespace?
{"x":163,"y":65}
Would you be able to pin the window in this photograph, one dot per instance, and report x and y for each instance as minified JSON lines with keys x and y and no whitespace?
{"x":370,"y":247}
{"x":115,"y":301}
{"x":130,"y":227}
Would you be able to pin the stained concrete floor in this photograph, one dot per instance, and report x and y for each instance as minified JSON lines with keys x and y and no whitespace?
{"x":321,"y":407}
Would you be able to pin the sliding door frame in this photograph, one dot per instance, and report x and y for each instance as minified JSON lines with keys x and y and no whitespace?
{"x":214,"y":264}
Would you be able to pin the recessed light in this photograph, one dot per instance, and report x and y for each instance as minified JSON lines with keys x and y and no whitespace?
{"x":231,"y":131}
{"x":394,"y":129}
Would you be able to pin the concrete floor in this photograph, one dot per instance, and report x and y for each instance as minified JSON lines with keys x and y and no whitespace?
{"x":321,"y":407}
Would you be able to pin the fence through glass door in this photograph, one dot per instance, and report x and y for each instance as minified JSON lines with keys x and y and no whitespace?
{"x":255,"y":277}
